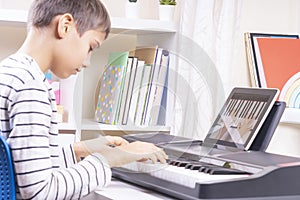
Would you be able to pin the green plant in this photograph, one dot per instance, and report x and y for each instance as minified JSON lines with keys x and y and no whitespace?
{"x":167,"y":2}
{"x":132,"y":1}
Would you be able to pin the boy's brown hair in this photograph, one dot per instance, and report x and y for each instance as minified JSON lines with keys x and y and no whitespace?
{"x":88,"y":14}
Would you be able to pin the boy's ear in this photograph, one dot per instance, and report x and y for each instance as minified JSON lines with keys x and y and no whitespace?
{"x":65,"y":24}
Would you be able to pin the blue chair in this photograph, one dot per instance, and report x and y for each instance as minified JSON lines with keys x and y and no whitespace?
{"x":7,"y":178}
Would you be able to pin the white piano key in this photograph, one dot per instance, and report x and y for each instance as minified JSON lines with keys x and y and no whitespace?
{"x":179,"y":175}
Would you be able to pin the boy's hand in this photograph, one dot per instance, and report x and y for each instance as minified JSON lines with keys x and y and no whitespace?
{"x":86,"y":147}
{"x":95,"y":145}
{"x":116,"y":140}
{"x":123,"y":152}
{"x":135,"y":151}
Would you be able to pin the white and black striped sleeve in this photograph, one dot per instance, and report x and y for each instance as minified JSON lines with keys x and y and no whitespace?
{"x":28,"y":121}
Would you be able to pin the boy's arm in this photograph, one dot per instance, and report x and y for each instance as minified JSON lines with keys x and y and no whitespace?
{"x":33,"y":141}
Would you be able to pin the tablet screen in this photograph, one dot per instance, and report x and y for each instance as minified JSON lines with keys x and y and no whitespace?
{"x":241,"y":117}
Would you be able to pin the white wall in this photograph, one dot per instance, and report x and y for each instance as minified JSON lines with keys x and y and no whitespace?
{"x":149,"y":8}
{"x":272,"y":16}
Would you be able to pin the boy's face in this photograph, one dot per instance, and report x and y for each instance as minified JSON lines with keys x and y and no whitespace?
{"x":74,"y":51}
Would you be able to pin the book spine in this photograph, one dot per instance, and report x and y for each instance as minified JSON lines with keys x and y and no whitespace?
{"x":143,"y":92}
{"x":130,"y":90}
{"x":152,"y":87}
{"x":125,"y":89}
{"x":129,"y":118}
{"x":160,"y":97}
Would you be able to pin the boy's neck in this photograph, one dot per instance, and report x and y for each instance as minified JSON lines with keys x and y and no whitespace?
{"x":38,"y":45}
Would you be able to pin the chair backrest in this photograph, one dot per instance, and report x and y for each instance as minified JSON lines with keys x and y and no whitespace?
{"x":7,"y":179}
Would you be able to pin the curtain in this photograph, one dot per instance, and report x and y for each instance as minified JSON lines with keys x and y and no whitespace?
{"x":206,"y":52}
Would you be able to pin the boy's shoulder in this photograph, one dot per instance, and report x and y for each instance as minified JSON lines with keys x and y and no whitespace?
{"x":20,"y":64}
{"x":20,"y":68}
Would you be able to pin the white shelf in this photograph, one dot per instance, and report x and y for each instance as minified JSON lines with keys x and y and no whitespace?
{"x":66,"y":127}
{"x":92,"y":125}
{"x":142,"y":26}
{"x":119,"y":25}
{"x":291,"y":115}
{"x":13,"y":17}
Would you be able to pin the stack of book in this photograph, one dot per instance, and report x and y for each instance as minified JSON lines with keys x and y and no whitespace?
{"x":133,"y":87}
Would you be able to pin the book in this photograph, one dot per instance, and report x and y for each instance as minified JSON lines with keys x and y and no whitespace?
{"x":133,"y":99}
{"x":111,"y":87}
{"x":161,"y":94}
{"x":280,"y":63}
{"x":155,"y":105}
{"x":152,"y":86}
{"x":127,"y":78}
{"x":162,"y":115}
{"x":171,"y":95}
{"x":148,"y":54}
{"x":125,"y":111}
{"x":142,"y":94}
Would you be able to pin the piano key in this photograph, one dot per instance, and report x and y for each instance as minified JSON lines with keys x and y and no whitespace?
{"x":182,"y":163}
{"x":195,"y":165}
{"x":179,"y":175}
{"x":205,"y":167}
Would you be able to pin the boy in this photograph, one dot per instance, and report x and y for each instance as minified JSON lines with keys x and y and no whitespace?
{"x":61,"y":37}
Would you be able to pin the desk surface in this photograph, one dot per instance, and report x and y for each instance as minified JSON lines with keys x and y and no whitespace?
{"x":118,"y":190}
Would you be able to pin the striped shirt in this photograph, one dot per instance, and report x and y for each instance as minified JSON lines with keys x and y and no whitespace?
{"x":29,"y":122}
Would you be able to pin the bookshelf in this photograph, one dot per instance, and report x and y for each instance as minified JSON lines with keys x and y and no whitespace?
{"x":126,"y":35}
{"x":90,"y":125}
{"x":78,"y":92}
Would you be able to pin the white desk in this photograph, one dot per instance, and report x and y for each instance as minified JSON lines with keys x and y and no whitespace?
{"x":118,"y":190}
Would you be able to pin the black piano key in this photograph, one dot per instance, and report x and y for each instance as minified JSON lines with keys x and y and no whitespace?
{"x":168,"y":161}
{"x":207,"y":170}
{"x":171,"y":161}
{"x":182,"y":164}
{"x":205,"y":167}
{"x":188,"y":166}
{"x":193,"y":165}
{"x":196,"y":166}
{"x":179,"y":163}
{"x":175,"y":163}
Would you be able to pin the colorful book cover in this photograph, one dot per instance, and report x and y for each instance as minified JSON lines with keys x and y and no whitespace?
{"x":111,"y":87}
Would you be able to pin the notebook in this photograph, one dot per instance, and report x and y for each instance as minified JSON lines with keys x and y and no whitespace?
{"x":235,"y":127}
